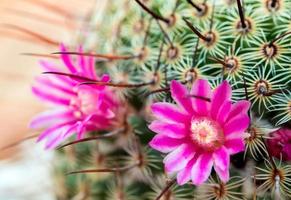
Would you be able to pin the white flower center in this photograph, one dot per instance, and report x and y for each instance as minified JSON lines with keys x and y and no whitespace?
{"x":206,"y":133}
{"x":85,"y":103}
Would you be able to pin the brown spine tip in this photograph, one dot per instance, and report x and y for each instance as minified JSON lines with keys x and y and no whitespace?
{"x":166,"y":189}
{"x":241,"y":14}
{"x":195,"y":6}
{"x":195,"y":30}
{"x":152,"y":13}
{"x":101,"y":56}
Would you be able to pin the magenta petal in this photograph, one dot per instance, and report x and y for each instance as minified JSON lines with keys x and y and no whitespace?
{"x":221,"y":158}
{"x":202,"y":169}
{"x":46,"y":96}
{"x":168,"y":112}
{"x":221,"y":94}
{"x":203,"y":89}
{"x":81,"y":61}
{"x":48,"y":118}
{"x":179,"y":158}
{"x":236,"y":127}
{"x":67,"y":60}
{"x":91,"y":68}
{"x":223,"y":174}
{"x":223,"y":112}
{"x":180,"y":95}
{"x":164,"y":144}
{"x":70,"y":131}
{"x":48,"y":67}
{"x":52,"y":130}
{"x":43,"y":82}
{"x":57,"y":137}
{"x":221,"y":163}
{"x":81,"y":130}
{"x":235,"y":145}
{"x":176,"y":130}
{"x":53,"y":142}
{"x":185,"y":174}
{"x":240,"y":107}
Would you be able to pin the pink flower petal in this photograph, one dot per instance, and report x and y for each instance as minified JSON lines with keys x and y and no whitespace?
{"x":221,"y":163}
{"x":53,"y":142}
{"x":180,"y":95}
{"x":42,"y":82}
{"x":203,"y":89}
{"x":235,"y":145}
{"x":286,"y":151}
{"x":179,"y":158}
{"x":81,"y":130}
{"x":173,"y":130}
{"x":91,"y":68}
{"x":164,"y":144}
{"x":46,"y":96}
{"x":48,"y":67}
{"x":185,"y":174}
{"x":105,"y":78}
{"x":168,"y":112}
{"x":235,"y":127}
{"x":57,"y":137}
{"x":98,"y":121}
{"x":221,"y":158}
{"x":70,"y":131}
{"x":223,"y":112}
{"x":240,"y":107}
{"x":202,"y":169}
{"x":53,"y":130}
{"x":81,"y":61}
{"x":221,"y":94}
{"x":67,"y":60}
{"x":49,"y":118}
{"x":223,"y":174}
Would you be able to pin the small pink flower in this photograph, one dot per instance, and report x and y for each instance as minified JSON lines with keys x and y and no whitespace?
{"x":76,"y":108}
{"x":279,"y":144}
{"x":199,"y":133}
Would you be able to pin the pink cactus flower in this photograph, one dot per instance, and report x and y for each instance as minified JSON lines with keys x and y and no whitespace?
{"x":279,"y":144}
{"x":75,"y":108}
{"x":199,"y":132}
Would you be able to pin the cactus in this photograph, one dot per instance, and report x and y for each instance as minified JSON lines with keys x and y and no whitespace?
{"x":148,"y":53}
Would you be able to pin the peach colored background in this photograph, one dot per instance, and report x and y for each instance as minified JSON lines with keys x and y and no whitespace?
{"x":17,"y":104}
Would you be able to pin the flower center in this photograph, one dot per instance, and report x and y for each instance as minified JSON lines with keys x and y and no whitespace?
{"x":207,"y":133}
{"x":86,"y":103}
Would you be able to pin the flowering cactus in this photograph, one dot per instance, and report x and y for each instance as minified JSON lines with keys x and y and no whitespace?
{"x":199,"y":133}
{"x":280,"y":144}
{"x":78,"y":109}
{"x":206,"y":82}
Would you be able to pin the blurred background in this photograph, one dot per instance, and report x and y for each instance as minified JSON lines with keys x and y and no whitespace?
{"x":29,"y":26}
